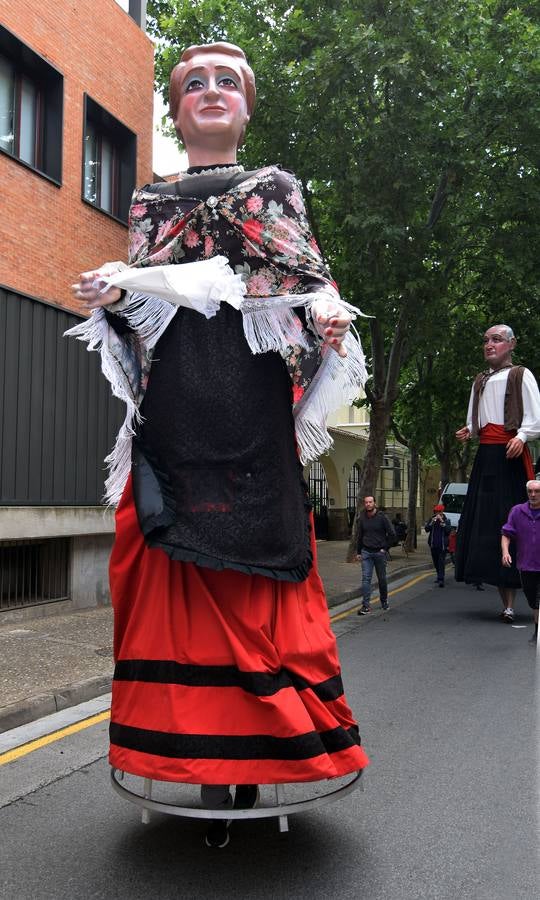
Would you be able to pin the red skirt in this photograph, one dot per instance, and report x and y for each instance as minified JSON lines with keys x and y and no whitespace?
{"x":222,"y":677}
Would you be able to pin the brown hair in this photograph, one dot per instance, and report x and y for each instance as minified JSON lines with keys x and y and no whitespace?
{"x":239,"y":57}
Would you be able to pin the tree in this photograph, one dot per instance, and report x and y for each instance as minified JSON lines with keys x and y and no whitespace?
{"x":414,"y":128}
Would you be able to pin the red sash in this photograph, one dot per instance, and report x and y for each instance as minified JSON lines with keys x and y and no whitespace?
{"x":495,"y":434}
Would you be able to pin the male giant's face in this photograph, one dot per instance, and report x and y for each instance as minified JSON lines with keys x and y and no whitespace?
{"x":497,"y":346}
{"x":212,"y":104}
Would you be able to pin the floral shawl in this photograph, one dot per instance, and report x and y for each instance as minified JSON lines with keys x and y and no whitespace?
{"x":260,"y":225}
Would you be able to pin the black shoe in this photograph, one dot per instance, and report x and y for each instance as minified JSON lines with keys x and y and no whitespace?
{"x":441,"y":583}
{"x":217,"y":835}
{"x":534,"y":637}
{"x":364,"y":610}
{"x":480,"y":587}
{"x":246,"y":797}
{"x":384,"y":604}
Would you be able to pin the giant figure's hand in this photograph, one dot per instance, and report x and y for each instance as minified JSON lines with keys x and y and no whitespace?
{"x":332,"y":323}
{"x":88,"y":288}
{"x":463,"y":434}
{"x":514,"y":448}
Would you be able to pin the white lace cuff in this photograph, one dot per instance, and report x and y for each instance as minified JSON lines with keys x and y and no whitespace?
{"x":201,"y":286}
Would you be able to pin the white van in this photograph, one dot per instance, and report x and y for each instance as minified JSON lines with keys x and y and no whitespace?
{"x":453,"y":498}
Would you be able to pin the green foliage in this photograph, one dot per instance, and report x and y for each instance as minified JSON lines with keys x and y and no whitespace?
{"x":414,"y":126}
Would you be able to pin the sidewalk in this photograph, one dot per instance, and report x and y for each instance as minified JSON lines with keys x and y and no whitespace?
{"x":54,"y":662}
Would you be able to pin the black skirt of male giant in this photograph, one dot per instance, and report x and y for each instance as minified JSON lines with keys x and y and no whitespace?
{"x":496,"y":484}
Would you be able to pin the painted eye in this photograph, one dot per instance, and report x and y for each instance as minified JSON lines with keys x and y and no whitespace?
{"x":228,"y":81}
{"x":193,"y":84}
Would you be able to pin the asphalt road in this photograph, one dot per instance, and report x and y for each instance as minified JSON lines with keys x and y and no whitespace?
{"x":445,"y":698}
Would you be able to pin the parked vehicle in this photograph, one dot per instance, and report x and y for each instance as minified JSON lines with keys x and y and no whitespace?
{"x":453,"y":498}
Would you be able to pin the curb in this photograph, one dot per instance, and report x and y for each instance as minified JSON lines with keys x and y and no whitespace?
{"x":31,"y":708}
{"x":355,"y":594}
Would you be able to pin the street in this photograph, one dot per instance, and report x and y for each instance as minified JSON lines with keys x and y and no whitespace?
{"x":444,"y":694}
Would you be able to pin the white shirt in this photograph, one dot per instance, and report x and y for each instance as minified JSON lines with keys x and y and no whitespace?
{"x":491,"y":404}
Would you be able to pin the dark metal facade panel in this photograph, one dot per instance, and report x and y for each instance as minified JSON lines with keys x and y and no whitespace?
{"x":58,"y":419}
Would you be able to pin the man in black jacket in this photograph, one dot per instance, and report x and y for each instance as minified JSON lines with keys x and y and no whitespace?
{"x":375,"y":536}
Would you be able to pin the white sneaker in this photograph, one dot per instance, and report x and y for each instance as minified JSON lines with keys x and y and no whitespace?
{"x":508,"y":614}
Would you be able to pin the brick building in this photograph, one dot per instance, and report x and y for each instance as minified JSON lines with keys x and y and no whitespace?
{"x":76,"y":101}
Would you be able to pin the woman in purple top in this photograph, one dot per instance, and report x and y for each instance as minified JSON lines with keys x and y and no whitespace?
{"x":523,"y":528}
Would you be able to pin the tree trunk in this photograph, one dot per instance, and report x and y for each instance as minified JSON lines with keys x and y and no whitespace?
{"x":445,"y":459}
{"x":379,"y":421}
{"x":382,"y":396}
{"x":410,"y":542}
{"x":464,"y":458}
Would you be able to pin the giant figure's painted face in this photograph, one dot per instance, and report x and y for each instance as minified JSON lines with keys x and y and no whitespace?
{"x":212,"y":95}
{"x":497,"y":346}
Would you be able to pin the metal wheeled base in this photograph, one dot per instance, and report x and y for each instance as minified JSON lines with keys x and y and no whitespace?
{"x":281,"y":810}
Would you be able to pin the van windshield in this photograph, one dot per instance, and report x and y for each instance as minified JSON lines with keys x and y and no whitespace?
{"x":453,"y":502}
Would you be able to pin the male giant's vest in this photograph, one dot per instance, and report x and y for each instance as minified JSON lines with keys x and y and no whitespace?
{"x":513,"y":400}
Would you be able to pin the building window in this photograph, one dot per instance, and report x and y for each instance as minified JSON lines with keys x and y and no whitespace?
{"x":100,"y":170}
{"x":109,"y":161}
{"x":31,"y":96}
{"x":353,"y":487}
{"x":318,"y":494}
{"x":397,"y":473}
{"x":20,"y":103}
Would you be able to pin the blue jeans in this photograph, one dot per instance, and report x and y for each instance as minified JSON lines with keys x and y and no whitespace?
{"x":371,"y":560}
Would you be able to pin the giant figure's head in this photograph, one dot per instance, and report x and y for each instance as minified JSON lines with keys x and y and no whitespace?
{"x":499,"y":344}
{"x":212,"y":95}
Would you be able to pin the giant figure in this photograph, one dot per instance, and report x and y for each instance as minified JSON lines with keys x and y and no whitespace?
{"x":226,"y":669}
{"x":504,"y":412}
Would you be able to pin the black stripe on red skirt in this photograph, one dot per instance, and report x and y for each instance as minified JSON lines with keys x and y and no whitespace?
{"x":220,"y":746}
{"x":262,"y":684}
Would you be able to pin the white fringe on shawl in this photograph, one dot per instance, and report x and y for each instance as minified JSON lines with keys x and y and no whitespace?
{"x":337,"y":382}
{"x":269,"y":324}
{"x":149,"y":317}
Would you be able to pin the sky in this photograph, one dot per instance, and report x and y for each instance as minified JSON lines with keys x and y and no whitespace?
{"x":167,"y":157}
